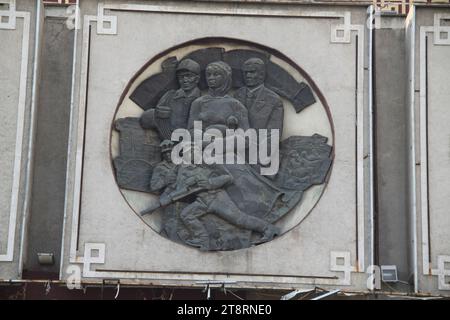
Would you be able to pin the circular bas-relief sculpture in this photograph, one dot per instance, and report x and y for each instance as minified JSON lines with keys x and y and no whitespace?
{"x":225,"y":84}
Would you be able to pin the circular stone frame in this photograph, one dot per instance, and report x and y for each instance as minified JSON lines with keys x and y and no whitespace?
{"x":136,"y":200}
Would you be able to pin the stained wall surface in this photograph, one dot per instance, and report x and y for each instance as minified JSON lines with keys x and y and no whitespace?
{"x":17,"y":47}
{"x":431,"y":69}
{"x":75,"y":209}
{"x":328,"y":247}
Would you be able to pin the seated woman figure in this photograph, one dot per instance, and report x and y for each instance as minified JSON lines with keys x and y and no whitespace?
{"x":217,"y":109}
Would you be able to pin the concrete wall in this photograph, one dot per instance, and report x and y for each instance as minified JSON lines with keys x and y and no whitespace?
{"x":17,"y":47}
{"x":333,"y":241}
{"x":411,"y":142}
{"x":47,"y":206}
{"x":391,"y":149}
{"x":431,"y":70}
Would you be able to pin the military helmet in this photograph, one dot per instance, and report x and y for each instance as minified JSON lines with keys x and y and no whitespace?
{"x":189,"y":65}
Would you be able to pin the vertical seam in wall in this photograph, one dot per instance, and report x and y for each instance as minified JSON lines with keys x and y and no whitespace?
{"x":376,"y":198}
{"x":84,"y":140}
{"x":32,"y":133}
{"x":410,"y":44}
{"x":69,"y":143}
{"x":413,"y":146}
{"x":427,"y":149}
{"x":356,"y":143}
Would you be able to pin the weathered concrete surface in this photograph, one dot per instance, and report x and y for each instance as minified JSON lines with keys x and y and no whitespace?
{"x":15,"y":107}
{"x":329,"y":227}
{"x":346,"y":2}
{"x":47,"y":206}
{"x":391,"y":149}
{"x":432,"y":68}
{"x":130,"y":244}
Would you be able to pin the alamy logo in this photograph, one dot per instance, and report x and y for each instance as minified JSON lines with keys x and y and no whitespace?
{"x":230,"y":146}
{"x":74,"y":279}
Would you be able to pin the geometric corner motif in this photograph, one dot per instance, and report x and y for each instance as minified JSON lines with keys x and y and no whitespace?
{"x":340,"y":262}
{"x":442,"y":272}
{"x":8,"y":17}
{"x":341,"y":33}
{"x":441,"y":33}
{"x":105,"y":24}
{"x":94,"y":253}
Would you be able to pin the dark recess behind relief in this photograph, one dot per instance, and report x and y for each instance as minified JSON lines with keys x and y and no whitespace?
{"x":236,"y":58}
{"x":152,"y":89}
{"x":148,"y":93}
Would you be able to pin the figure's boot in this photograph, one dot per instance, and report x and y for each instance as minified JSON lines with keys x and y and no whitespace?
{"x":268,"y":231}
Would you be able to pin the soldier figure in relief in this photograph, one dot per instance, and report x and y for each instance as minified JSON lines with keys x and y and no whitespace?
{"x":172,"y":111}
{"x":208,"y":183}
{"x":165,"y":173}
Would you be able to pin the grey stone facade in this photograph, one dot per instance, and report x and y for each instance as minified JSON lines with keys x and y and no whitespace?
{"x":381,"y":101}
